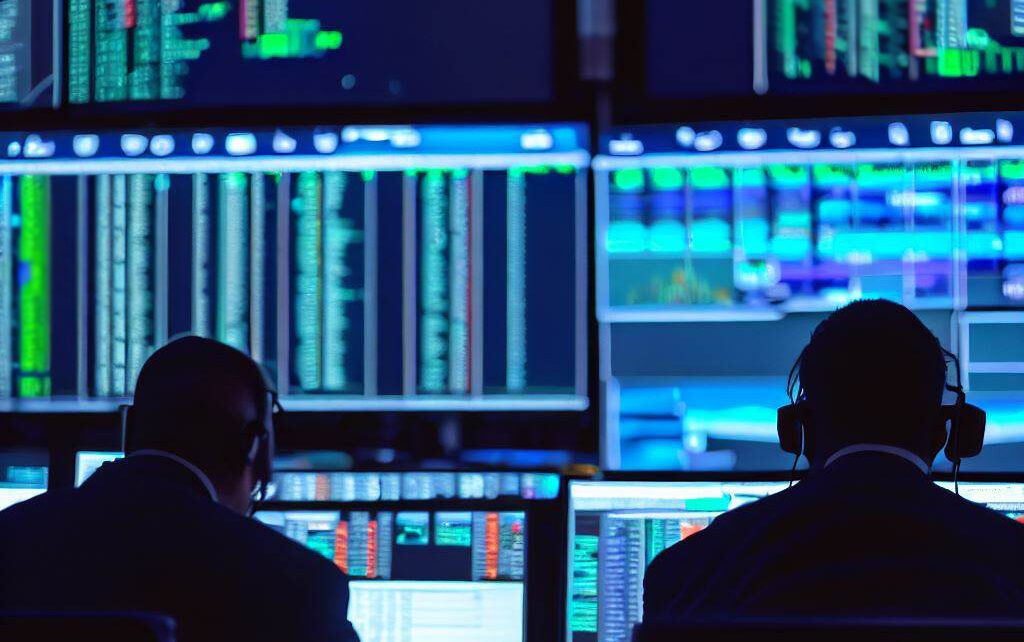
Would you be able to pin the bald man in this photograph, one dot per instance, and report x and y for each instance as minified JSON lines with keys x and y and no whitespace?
{"x":166,"y":529}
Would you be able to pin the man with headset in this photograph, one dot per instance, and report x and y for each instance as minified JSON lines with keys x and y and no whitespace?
{"x":166,"y":529}
{"x":866,"y":533}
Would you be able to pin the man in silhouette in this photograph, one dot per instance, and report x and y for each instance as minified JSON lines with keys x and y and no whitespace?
{"x":165,"y":530}
{"x":867,"y":533}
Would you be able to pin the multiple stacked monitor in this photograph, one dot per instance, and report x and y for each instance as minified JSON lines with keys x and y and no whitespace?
{"x":444,"y":267}
{"x":447,"y":267}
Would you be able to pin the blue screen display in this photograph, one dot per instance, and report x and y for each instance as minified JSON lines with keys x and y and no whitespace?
{"x":720,"y":246}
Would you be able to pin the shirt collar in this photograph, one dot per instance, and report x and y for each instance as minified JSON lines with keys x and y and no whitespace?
{"x":880,"y":448}
{"x":184,"y":462}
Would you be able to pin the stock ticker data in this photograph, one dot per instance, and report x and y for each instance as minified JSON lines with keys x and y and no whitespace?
{"x":714,"y":235}
{"x":616,"y":528}
{"x":234,"y":52}
{"x":307,"y":486}
{"x":27,"y":70}
{"x":833,"y":46}
{"x":422,"y":575}
{"x":368,"y":267}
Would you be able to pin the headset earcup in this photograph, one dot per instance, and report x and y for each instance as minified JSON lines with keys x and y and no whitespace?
{"x":972,"y":430}
{"x":790,"y":429}
{"x":966,"y":431}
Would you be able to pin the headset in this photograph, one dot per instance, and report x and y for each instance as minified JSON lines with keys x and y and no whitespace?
{"x":966,"y":421}
{"x":258,"y":435}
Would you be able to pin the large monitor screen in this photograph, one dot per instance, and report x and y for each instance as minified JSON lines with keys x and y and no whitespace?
{"x":436,"y":267}
{"x":616,"y":528}
{"x":793,"y":47}
{"x":204,"y":53}
{"x":422,"y":575}
{"x":711,"y":237}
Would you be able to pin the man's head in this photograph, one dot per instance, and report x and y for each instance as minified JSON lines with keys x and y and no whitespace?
{"x":872,"y":373}
{"x":205,"y":402}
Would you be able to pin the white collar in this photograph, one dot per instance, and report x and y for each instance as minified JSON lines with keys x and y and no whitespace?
{"x":187,"y":464}
{"x":880,"y":448}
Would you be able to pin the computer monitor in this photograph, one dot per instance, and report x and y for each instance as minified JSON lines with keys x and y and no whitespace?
{"x":96,"y":56}
{"x":87,"y":462}
{"x":434,"y":555}
{"x":23,"y":475}
{"x":712,"y":236}
{"x":436,"y":268}
{"x":827,"y":48}
{"x":196,"y":53}
{"x":617,"y":527}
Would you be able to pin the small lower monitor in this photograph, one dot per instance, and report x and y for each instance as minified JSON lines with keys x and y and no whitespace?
{"x":422,"y":574}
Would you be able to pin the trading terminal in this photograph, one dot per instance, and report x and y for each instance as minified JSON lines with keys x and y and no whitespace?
{"x":526,"y":284}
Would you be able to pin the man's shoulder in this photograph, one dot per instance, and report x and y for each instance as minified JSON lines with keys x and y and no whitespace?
{"x":35,"y":510}
{"x":973,"y":517}
{"x":701,"y":549}
{"x":271,"y":551}
{"x":736,"y":521}
{"x":683,"y":569}
{"x":308,"y":592}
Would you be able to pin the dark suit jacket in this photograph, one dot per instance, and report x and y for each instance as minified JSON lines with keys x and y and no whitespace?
{"x":143,"y":534}
{"x":868,"y":536}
